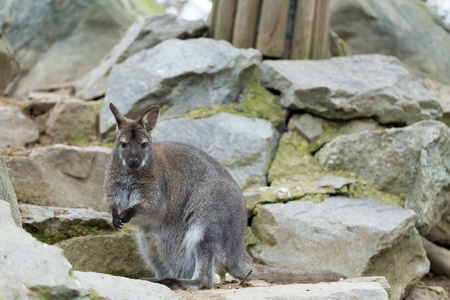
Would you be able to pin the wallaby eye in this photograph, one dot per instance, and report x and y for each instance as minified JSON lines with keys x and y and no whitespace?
{"x":123,"y":145}
{"x":144,"y":145}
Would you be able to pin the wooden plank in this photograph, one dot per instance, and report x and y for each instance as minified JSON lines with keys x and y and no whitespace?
{"x":212,"y":18}
{"x":272,"y":27}
{"x":319,"y":43}
{"x":223,"y":29}
{"x":303,"y":29}
{"x":246,"y":21}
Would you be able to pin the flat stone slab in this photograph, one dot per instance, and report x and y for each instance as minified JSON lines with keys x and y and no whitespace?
{"x":41,"y":217}
{"x":344,"y":88}
{"x":325,"y":291}
{"x":119,"y":288}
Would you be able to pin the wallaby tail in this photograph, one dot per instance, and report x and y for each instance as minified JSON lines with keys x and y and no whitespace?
{"x":278,"y":275}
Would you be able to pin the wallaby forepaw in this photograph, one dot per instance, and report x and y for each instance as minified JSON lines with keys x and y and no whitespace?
{"x":117,"y":223}
{"x":125,"y":216}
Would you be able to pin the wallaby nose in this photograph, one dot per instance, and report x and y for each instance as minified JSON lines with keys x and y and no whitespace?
{"x":133,"y":161}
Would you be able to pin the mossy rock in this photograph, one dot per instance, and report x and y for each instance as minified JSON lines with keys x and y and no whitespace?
{"x":115,"y":253}
{"x":255,"y":101}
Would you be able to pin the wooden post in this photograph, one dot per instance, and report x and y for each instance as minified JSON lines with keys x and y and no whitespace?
{"x":246,"y":21}
{"x":212,"y":18}
{"x":303,"y":29}
{"x":319,"y":43}
{"x":223,"y":29}
{"x":272,"y":27}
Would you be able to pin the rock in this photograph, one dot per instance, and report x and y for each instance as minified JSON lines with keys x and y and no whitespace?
{"x":8,"y":64}
{"x":244,"y":146}
{"x":325,"y":291}
{"x":411,"y":162}
{"x":30,"y":269}
{"x":52,"y":224}
{"x":114,"y":253}
{"x":442,"y":93}
{"x":439,"y":258}
{"x":423,"y":292}
{"x":142,"y":35}
{"x":60,"y":175}
{"x":379,"y":279}
{"x":344,"y":88}
{"x":307,"y":126}
{"x":381,"y":27}
{"x":16,"y":130}
{"x":354,"y":237}
{"x":46,"y":33}
{"x":195,"y":72}
{"x":7,"y":193}
{"x":119,"y":288}
{"x":73,"y":121}
{"x":441,"y":232}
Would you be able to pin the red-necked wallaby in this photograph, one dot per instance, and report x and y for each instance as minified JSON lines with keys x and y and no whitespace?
{"x":190,"y":213}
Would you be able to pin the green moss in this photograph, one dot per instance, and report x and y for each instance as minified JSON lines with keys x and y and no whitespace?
{"x":59,"y":292}
{"x":92,"y":294}
{"x":258,"y":102}
{"x":79,"y":141}
{"x":362,"y":189}
{"x":292,"y":160}
{"x":109,"y":144}
{"x":98,"y":106}
{"x":207,"y":111}
{"x":53,"y":235}
{"x":250,"y":238}
{"x":149,"y":7}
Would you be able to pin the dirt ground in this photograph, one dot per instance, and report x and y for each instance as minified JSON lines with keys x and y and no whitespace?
{"x":436,"y":280}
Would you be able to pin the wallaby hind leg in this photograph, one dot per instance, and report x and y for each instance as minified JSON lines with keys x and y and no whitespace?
{"x":204,"y":270}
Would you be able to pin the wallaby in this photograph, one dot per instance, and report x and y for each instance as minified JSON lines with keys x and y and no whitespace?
{"x":190,"y":213}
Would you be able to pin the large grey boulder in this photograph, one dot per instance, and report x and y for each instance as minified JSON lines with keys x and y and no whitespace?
{"x":60,"y":175}
{"x":141,"y":35}
{"x":194,"y":72}
{"x":59,"y":41}
{"x":384,"y":27}
{"x":345,"y":88}
{"x":119,"y":288}
{"x":8,"y":64}
{"x":244,"y":146}
{"x":411,"y":162}
{"x":320,"y":291}
{"x":30,"y":269}
{"x":16,"y":130}
{"x":7,"y":192}
{"x":355,"y":237}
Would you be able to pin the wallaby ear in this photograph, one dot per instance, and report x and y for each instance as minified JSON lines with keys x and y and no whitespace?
{"x":149,"y":118}
{"x":119,"y":117}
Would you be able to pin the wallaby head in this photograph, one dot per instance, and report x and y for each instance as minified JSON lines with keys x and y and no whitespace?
{"x":133,"y":146}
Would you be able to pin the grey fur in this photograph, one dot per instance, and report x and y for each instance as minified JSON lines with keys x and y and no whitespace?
{"x":190,"y":213}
